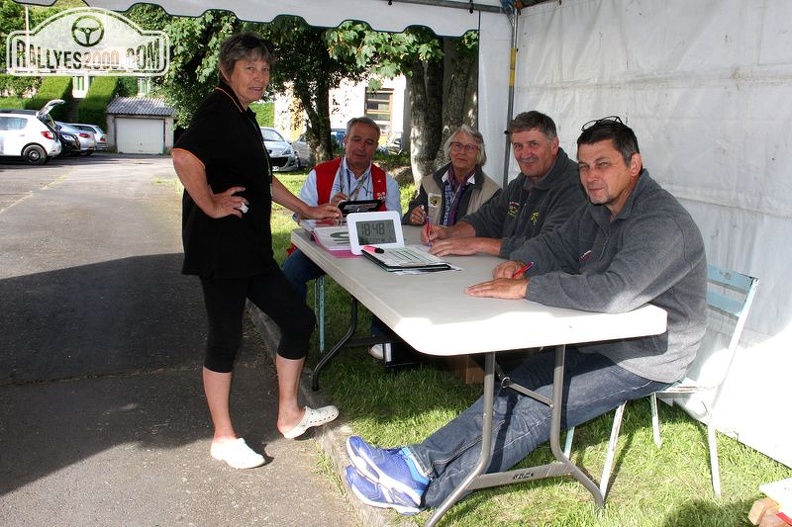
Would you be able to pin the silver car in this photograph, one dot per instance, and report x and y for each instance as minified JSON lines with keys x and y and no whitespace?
{"x":99,"y":134}
{"x":280,"y":151}
{"x":87,"y":139}
{"x":307,"y":158}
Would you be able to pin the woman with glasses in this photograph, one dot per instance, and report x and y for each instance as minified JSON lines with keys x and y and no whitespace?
{"x":458,"y":188}
{"x":228,"y":193}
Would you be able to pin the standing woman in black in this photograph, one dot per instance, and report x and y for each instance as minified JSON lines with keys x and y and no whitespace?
{"x":229,"y":190}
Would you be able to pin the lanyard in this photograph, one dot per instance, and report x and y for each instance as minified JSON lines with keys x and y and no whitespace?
{"x":354,"y":194}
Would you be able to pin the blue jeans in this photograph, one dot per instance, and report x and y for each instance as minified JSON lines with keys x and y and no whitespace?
{"x":299,"y":270}
{"x":593,"y":385}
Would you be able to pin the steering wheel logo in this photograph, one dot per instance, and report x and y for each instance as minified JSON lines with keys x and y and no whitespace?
{"x":87,"y":31}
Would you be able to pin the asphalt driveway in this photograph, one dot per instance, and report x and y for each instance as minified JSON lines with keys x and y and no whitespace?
{"x":102,"y":418}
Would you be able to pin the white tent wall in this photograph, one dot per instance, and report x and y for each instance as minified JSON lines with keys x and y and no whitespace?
{"x":495,"y":36}
{"x":707,"y":87}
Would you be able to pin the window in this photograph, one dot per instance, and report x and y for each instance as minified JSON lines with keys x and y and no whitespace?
{"x":13,"y":123}
{"x":378,"y":108}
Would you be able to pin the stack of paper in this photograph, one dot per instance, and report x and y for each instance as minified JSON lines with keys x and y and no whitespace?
{"x":409,"y":257}
{"x":332,"y":238}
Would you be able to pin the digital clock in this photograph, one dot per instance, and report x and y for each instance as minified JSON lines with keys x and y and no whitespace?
{"x":378,"y":229}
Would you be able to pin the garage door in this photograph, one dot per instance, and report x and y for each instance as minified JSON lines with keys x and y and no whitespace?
{"x":140,"y":136}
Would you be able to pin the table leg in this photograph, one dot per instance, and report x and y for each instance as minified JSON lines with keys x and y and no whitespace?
{"x":555,"y":430}
{"x":486,"y":442}
{"x":561,"y":467}
{"x":340,"y":344}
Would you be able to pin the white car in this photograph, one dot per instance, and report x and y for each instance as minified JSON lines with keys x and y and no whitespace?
{"x":280,"y":151}
{"x":30,"y":134}
{"x":99,"y":134}
{"x":87,"y":139}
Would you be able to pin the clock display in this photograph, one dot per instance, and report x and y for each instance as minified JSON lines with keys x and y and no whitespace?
{"x":375,"y":232}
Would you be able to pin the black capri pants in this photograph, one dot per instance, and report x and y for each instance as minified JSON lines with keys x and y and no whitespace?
{"x":271,"y":292}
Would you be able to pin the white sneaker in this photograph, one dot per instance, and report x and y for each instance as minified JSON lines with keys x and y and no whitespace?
{"x":237,"y":454}
{"x":376,"y":351}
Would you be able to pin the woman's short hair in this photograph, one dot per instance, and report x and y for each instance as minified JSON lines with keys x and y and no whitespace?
{"x":477,"y":137}
{"x":244,"y":46}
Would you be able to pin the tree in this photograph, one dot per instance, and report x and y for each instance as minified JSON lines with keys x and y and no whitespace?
{"x":306,"y":66}
{"x":437,"y":106}
{"x":195,"y":43}
{"x":303,"y":64}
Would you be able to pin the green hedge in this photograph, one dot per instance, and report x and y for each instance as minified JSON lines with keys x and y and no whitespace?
{"x":16,"y":86}
{"x":12,"y":103}
{"x":53,"y":88}
{"x":93,"y":108}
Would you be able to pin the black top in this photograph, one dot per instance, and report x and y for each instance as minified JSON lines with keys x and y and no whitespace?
{"x":228,"y":141}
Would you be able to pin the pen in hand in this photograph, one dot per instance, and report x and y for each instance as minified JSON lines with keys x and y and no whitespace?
{"x":427,"y":226}
{"x":522,"y":270}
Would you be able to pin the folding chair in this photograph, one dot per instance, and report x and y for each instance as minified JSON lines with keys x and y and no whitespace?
{"x":729,"y":298}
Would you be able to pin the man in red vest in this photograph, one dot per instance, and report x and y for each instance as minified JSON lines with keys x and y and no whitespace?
{"x":352,"y":177}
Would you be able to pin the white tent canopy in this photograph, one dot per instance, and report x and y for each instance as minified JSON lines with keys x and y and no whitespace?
{"x":706,"y":86}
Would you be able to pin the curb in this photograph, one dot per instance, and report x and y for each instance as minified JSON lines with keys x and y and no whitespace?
{"x":331,"y":438}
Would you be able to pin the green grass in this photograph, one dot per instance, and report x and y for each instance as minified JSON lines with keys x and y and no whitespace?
{"x":666,"y":487}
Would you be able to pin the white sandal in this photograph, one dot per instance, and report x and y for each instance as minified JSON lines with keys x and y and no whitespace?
{"x":236,"y":453}
{"x":312,"y":417}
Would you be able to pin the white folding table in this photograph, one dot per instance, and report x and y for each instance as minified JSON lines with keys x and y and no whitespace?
{"x":432,"y":314}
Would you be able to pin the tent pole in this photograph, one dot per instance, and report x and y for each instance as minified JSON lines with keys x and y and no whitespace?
{"x":514,"y":18}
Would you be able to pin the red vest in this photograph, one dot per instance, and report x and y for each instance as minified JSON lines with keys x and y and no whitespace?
{"x":326,"y":173}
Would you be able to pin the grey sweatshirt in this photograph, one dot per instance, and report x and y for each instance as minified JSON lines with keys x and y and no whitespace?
{"x":518,"y":214}
{"x":652,"y":252}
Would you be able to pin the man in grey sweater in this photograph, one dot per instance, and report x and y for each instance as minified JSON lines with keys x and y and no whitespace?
{"x":632,"y":245}
{"x":538,"y":200}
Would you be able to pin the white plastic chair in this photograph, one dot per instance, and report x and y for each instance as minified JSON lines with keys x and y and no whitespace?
{"x":729,"y":298}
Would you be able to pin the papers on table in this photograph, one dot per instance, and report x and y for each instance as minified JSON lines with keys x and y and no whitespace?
{"x":334,"y":238}
{"x":407,"y":258}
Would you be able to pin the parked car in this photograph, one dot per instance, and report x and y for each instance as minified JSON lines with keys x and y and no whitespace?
{"x":70,"y":144}
{"x":280,"y":151}
{"x":30,"y":134}
{"x":87,"y":140}
{"x":304,"y":152}
{"x":305,"y":156}
{"x":99,"y":134}
{"x":337,"y":137}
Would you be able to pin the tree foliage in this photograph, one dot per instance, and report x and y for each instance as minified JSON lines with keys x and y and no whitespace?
{"x":438,"y":105}
{"x":303,"y":64}
{"x":306,"y":66}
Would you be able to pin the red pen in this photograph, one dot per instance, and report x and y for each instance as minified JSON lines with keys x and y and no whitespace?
{"x":522,"y":270}
{"x":427,"y":227}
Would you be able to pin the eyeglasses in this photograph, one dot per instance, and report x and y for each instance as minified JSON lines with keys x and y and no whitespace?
{"x":459,"y":147}
{"x":604,"y":120}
